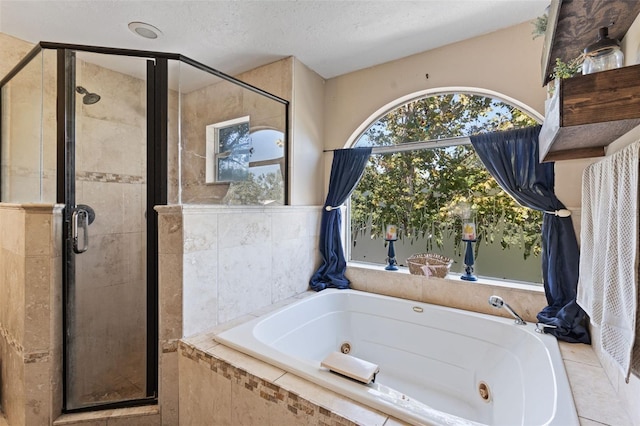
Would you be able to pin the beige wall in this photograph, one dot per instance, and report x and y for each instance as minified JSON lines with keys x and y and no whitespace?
{"x":307,"y":134}
{"x":12,"y":52}
{"x":506,"y":62}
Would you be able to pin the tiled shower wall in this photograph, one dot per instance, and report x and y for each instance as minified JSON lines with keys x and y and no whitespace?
{"x":218,"y":263}
{"x":30,"y":313}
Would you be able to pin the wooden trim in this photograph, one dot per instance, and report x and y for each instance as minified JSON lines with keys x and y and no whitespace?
{"x":572,"y":154}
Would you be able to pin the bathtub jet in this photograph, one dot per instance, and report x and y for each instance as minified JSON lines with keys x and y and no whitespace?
{"x":497,"y":302}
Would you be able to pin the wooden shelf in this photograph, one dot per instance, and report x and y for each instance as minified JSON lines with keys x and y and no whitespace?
{"x":588,"y":112}
{"x":573,"y":25}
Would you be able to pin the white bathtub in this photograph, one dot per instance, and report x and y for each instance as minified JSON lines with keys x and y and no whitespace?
{"x":432,"y":359}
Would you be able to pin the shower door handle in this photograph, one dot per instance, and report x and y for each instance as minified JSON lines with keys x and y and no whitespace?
{"x":80,"y":220}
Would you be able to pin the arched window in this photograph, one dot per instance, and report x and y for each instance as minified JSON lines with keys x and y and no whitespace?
{"x":423,"y":171}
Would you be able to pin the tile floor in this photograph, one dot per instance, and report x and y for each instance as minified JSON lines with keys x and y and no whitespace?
{"x":594,"y":396}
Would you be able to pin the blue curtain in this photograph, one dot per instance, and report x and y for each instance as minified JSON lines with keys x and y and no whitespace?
{"x":346,"y":171}
{"x":512,"y":159}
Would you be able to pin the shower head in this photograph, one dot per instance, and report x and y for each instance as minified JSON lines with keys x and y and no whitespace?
{"x":88,"y":98}
{"x":496,"y":301}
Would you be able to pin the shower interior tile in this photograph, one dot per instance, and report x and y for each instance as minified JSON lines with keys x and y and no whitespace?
{"x":123,"y":96}
{"x":111,"y":147}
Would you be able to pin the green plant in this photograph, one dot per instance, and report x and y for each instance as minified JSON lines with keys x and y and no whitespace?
{"x":539,"y":26}
{"x":564,"y":70}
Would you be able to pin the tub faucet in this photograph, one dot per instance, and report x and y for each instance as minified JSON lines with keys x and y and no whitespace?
{"x":497,"y":302}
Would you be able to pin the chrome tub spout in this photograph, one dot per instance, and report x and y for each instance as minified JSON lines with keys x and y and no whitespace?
{"x":497,"y":302}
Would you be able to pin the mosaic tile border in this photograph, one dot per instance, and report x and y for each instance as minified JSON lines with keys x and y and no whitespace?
{"x":266,"y":390}
{"x":109,"y":177}
{"x":27,"y":358}
{"x":11,"y":341}
{"x":169,"y":346}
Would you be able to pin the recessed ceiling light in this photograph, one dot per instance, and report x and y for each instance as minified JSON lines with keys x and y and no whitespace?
{"x":145,"y":30}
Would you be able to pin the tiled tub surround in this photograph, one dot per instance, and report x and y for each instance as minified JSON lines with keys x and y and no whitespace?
{"x":218,"y":263}
{"x":219,"y":385}
{"x":31,"y":324}
{"x":30,"y":313}
{"x":437,"y":356}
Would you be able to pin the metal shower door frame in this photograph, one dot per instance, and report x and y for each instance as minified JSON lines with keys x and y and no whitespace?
{"x":157,"y":94}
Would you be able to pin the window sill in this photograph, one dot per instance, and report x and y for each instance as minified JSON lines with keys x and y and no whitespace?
{"x":526,"y":299}
{"x":455,"y":276}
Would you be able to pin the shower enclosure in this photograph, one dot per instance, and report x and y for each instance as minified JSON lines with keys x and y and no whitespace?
{"x":109,"y":134}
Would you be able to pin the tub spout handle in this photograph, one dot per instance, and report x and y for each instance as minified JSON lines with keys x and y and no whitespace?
{"x":498,"y":302}
{"x":541,"y":327}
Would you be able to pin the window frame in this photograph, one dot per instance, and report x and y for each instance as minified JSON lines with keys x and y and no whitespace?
{"x":424,"y":144}
{"x":212,"y":151}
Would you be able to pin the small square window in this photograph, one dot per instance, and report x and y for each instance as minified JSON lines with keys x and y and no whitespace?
{"x":229,"y":149}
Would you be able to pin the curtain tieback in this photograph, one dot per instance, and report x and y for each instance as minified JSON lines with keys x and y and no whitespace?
{"x":560,"y":213}
{"x":329,"y":208}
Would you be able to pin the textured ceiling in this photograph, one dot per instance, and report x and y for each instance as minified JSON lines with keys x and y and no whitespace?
{"x":331,"y":37}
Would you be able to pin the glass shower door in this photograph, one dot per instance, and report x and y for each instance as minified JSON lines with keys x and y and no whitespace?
{"x":106,"y":285}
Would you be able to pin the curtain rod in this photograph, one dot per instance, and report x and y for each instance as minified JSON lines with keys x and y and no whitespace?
{"x":410,"y":146}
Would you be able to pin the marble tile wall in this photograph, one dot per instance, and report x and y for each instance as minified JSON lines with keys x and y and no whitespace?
{"x":451,"y":292}
{"x":234,"y":261}
{"x":219,"y":263}
{"x":30,"y":306}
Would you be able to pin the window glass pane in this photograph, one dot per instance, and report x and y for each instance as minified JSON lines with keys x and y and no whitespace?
{"x":422,"y":191}
{"x":234,"y":149}
{"x":216,"y":154}
{"x":21,"y":152}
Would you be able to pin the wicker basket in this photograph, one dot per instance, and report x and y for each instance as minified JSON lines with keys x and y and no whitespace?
{"x":438,"y":265}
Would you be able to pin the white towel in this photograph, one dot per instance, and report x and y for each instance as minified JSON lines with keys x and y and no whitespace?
{"x":608,"y":284}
